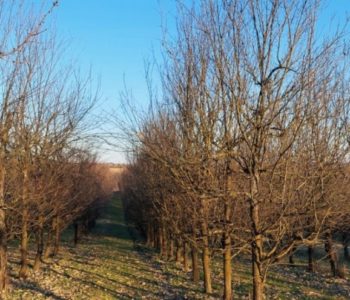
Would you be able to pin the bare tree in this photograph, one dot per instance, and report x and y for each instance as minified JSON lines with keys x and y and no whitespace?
{"x":16,"y":34}
{"x":252,"y":129}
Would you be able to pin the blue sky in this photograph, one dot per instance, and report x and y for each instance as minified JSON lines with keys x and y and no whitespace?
{"x":114,"y":37}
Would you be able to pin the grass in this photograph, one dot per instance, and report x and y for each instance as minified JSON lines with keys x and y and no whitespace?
{"x":109,"y":264}
{"x":106,"y":264}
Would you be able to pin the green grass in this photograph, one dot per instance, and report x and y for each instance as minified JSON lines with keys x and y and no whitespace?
{"x":109,"y":264}
{"x":105,"y":265}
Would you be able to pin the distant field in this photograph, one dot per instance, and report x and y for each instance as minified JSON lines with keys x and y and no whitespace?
{"x":117,"y":171}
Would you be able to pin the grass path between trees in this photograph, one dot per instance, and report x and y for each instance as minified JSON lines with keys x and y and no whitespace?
{"x":106,"y":264}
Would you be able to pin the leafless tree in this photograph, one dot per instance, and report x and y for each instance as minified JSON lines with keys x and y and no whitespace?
{"x":254,"y":123}
{"x":17,"y":31}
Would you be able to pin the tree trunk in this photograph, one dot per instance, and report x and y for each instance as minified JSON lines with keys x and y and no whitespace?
{"x":332,"y":255}
{"x":48,"y":246}
{"x":160,"y":242}
{"x":178,"y":252}
{"x":227,"y":266}
{"x":171,"y":250}
{"x":291,"y":260}
{"x":149,"y":235}
{"x":346,"y":252}
{"x":206,"y":270}
{"x":257,"y":249}
{"x":206,"y":260}
{"x":23,"y":272}
{"x":156,"y":238}
{"x":291,"y":257}
{"x":3,"y":233}
{"x":164,"y":245}
{"x":76,"y":233}
{"x":85,"y":227}
{"x":39,"y":245}
{"x":345,"y":247}
{"x":258,"y":283}
{"x":3,"y":255}
{"x":310,"y":252}
{"x":185,"y":261}
{"x":152,"y":238}
{"x":257,"y":242}
{"x":195,"y":267}
{"x":226,"y":245}
{"x":57,"y":236}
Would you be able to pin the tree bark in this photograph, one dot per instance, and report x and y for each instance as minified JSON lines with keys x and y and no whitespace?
{"x":206,"y":260}
{"x":257,"y":243}
{"x":39,"y":245}
{"x":185,"y":261}
{"x":23,"y":272}
{"x":226,"y":243}
{"x":57,"y":236}
{"x":160,"y":242}
{"x":156,"y":238}
{"x":332,"y":255}
{"x":346,"y":252}
{"x":149,"y":236}
{"x":291,"y":257}
{"x":206,"y":270}
{"x":258,"y":283}
{"x":3,"y":232}
{"x":164,"y":245}
{"x":345,"y":247}
{"x":195,"y":267}
{"x":171,"y":250}
{"x":178,"y":252}
{"x":76,"y":233}
{"x":48,"y":246}
{"x":311,"y":265}
{"x":152,"y":237}
{"x":227,"y":267}
{"x":3,"y":254}
{"x":291,"y":260}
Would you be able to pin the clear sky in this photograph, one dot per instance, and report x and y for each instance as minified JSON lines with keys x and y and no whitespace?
{"x":116,"y":36}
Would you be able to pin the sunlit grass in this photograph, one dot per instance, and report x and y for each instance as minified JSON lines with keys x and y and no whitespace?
{"x":108,"y":264}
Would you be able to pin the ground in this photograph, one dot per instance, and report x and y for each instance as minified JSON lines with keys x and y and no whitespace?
{"x":109,"y":264}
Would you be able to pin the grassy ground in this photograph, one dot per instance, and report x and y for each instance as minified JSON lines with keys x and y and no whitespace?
{"x":108,"y":264}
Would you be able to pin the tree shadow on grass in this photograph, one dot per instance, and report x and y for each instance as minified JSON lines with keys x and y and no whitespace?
{"x":122,"y":273}
{"x":103,"y":288}
{"x":112,"y":229}
{"x":33,"y":286}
